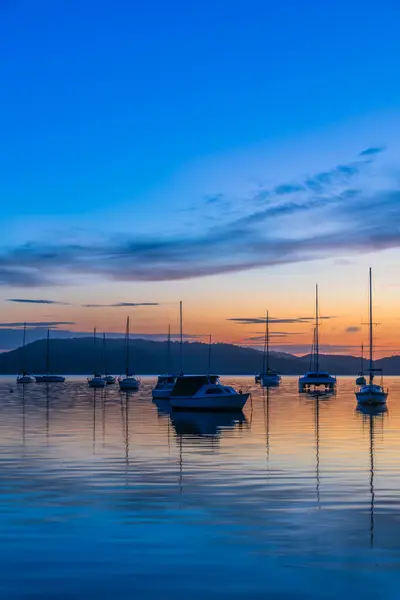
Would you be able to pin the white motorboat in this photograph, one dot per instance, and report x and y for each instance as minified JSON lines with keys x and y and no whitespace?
{"x":371,"y":393}
{"x":267,"y":377}
{"x":316,"y":381}
{"x":25,"y":377}
{"x":48,"y":378}
{"x":129,"y":382}
{"x":205,"y":392}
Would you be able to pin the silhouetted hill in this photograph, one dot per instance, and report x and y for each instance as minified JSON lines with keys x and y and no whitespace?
{"x":79,"y":356}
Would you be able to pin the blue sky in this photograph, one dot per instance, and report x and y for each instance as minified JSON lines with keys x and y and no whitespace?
{"x":151,"y":134}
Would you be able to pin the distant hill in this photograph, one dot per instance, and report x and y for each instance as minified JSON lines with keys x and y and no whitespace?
{"x":79,"y":356}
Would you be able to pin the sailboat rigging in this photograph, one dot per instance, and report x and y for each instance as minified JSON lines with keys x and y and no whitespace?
{"x":371,"y":393}
{"x":313,"y":380}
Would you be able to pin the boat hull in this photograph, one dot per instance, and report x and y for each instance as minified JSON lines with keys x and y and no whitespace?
{"x":50,"y":379}
{"x":222,"y":402}
{"x":96,"y":383}
{"x":25,"y":379}
{"x":109,"y":379}
{"x":371,"y":397}
{"x":129,"y":384}
{"x":162,"y":394}
{"x":270,"y":380}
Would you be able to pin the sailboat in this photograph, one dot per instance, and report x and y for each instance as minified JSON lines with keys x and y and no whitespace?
{"x":96,"y":381}
{"x":371,"y":393}
{"x":25,"y":377}
{"x":48,"y":378}
{"x":129,"y":382}
{"x":313,"y":380}
{"x":165,"y":383}
{"x":267,"y":377}
{"x":109,"y":379}
{"x":361,"y":379}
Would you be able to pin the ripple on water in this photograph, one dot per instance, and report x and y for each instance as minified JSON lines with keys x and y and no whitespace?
{"x":106,"y":494}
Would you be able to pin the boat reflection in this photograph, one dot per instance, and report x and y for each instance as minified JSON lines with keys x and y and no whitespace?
{"x":373,"y":415}
{"x":203,"y":424}
{"x":163,"y":407}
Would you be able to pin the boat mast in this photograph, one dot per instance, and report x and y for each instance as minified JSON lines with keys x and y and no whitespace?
{"x":209,"y":354}
{"x":312,"y":361}
{"x":267,"y":332}
{"x":127,"y":347}
{"x":362,"y":358}
{"x":316,"y":331}
{"x":181,"y":336}
{"x":48,"y":353}
{"x":370,"y":327}
{"x":94,"y":343}
{"x":23,"y":351}
{"x":105,"y":354}
{"x":264,"y":365}
{"x":169,"y":350}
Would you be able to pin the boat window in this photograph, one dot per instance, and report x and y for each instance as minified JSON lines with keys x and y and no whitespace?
{"x":214,"y":390}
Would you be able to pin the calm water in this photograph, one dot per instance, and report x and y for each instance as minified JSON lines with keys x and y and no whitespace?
{"x":106,"y":495}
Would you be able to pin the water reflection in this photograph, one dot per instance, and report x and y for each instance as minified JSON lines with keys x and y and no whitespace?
{"x":373,"y":415}
{"x":302,"y":493}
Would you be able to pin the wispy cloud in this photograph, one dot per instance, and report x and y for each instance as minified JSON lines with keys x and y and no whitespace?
{"x":37,"y":323}
{"x":372,"y":151}
{"x":121,"y":304}
{"x":33,"y":301}
{"x":258,"y":320}
{"x":353,"y":329}
{"x":360,"y":212}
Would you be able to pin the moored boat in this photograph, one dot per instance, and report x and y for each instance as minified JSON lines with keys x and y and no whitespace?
{"x":206,"y":392}
{"x":48,"y":377}
{"x":316,"y":381}
{"x":371,"y":393}
{"x":165,"y":383}
{"x":267,"y":377}
{"x":130,"y":381}
{"x":25,"y":377}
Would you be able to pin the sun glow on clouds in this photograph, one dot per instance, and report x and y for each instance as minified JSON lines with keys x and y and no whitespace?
{"x":244,"y":232}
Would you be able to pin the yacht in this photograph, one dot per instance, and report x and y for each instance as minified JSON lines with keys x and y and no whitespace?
{"x":165,"y":383}
{"x":267,"y":377}
{"x":205,"y":392}
{"x":25,"y":377}
{"x":360,"y":378}
{"x":129,"y":382}
{"x":371,"y":393}
{"x":48,"y":378}
{"x":109,"y":379}
{"x":316,"y":381}
{"x":96,"y":381}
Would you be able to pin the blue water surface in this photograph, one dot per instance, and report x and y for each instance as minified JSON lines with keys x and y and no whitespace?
{"x":108,"y":495}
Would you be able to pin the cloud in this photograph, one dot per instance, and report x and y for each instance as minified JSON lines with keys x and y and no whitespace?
{"x":372,"y":151}
{"x":358,"y":213}
{"x":287,"y":188}
{"x":121,"y":304}
{"x":258,"y":320}
{"x":274,"y":334}
{"x":37,"y":324}
{"x":352,"y":329}
{"x":214,"y":198}
{"x":32,"y":301}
